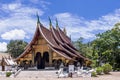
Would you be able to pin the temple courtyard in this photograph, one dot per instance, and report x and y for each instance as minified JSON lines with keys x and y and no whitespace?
{"x":51,"y":75}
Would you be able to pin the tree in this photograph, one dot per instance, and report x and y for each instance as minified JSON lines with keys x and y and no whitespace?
{"x":104,"y":49}
{"x":107,"y":46}
{"x":83,"y":48}
{"x":16,"y":47}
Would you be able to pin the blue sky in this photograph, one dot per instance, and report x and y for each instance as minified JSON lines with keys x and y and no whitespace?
{"x":82,"y":18}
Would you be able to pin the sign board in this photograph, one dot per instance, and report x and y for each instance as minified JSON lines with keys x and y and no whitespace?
{"x":71,"y":68}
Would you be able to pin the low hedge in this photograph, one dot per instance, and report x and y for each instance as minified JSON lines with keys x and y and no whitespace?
{"x":99,"y":70}
{"x":94,"y":74}
{"x":8,"y":74}
{"x":107,"y":68}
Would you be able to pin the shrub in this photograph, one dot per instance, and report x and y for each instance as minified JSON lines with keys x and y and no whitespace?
{"x":8,"y":74}
{"x":94,"y":74}
{"x":99,"y":70}
{"x":107,"y":68}
{"x":118,"y":69}
{"x":93,"y":64}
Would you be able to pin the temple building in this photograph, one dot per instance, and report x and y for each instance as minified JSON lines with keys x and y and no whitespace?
{"x":48,"y":48}
{"x":6,"y":62}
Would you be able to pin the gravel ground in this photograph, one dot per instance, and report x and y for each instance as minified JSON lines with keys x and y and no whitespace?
{"x":50,"y":75}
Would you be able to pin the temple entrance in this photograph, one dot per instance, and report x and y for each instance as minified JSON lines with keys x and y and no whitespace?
{"x":46,"y":59}
{"x":40,"y":61}
{"x":46,"y":56}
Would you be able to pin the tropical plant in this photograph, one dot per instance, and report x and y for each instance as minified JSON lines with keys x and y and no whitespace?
{"x":107,"y":68}
{"x":8,"y":74}
{"x":104,"y":49}
{"x":107,"y":46}
{"x":99,"y":70}
{"x":94,"y":74}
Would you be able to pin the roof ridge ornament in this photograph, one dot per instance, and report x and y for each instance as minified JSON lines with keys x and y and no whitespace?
{"x":50,"y":23}
{"x":57,"y":24}
{"x":64,"y":30}
{"x":70,"y":37}
{"x":38,"y":20}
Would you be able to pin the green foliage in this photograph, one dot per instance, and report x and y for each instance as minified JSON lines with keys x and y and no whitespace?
{"x":93,"y":65}
{"x":107,"y":46}
{"x":16,"y":47}
{"x":83,"y":48}
{"x":117,"y":69}
{"x":104,"y":49}
{"x":94,"y":74}
{"x":8,"y":74}
{"x":99,"y":70}
{"x":107,"y":68}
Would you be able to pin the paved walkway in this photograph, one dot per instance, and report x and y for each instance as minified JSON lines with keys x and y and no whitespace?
{"x":37,"y":74}
{"x":50,"y":75}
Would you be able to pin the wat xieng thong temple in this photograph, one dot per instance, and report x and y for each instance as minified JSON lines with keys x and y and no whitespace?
{"x":48,"y":48}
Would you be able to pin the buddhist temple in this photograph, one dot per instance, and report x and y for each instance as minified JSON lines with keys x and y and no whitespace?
{"x":6,"y":62}
{"x":48,"y":48}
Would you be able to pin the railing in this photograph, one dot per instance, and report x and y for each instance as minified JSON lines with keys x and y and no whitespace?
{"x":16,"y":73}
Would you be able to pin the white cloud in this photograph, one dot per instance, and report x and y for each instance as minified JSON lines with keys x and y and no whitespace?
{"x":80,"y":27}
{"x":74,"y":25}
{"x":3,"y":46}
{"x":13,"y":35}
{"x":18,"y":9}
{"x":11,"y":6}
{"x":19,"y":17}
{"x":43,"y":3}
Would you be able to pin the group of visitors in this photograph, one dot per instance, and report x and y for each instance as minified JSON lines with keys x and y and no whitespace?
{"x":78,"y":69}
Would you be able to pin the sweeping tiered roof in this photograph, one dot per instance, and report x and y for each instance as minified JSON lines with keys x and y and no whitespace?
{"x":57,"y":40}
